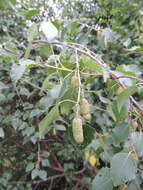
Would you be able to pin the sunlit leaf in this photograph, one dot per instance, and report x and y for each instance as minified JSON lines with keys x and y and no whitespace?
{"x":32,"y":32}
{"x":102,"y":180}
{"x":18,"y":70}
{"x":28,"y":14}
{"x":93,"y":66}
{"x":44,"y":125}
{"x":1,"y":133}
{"x":123,"y":168}
{"x":125,"y":95}
{"x":3,"y":86}
{"x":29,"y":167}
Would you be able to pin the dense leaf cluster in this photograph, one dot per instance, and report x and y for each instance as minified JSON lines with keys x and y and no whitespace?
{"x":100,"y":47}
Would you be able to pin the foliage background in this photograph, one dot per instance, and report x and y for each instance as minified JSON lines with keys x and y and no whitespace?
{"x":31,"y":86}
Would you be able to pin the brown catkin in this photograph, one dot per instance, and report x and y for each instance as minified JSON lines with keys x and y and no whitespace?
{"x":87,"y":116}
{"x":74,"y":81}
{"x":77,"y":130}
{"x":84,"y":106}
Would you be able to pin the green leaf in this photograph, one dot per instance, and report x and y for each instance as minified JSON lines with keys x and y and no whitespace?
{"x":13,"y":2}
{"x":29,"y":167}
{"x":111,"y":112}
{"x":44,"y":125}
{"x":3,"y":86}
{"x":102,"y":180}
{"x":24,"y":91}
{"x":46,"y":50}
{"x":28,"y":50}
{"x":48,"y":84}
{"x":103,"y":99}
{"x":123,"y":168}
{"x":115,"y":114}
{"x":125,"y":95}
{"x":73,"y":28}
{"x":18,"y":70}
{"x":136,"y":140}
{"x":34,"y":113}
{"x":30,"y":13}
{"x":121,"y":133}
{"x":1,"y":133}
{"x":42,"y":174}
{"x":32,"y":32}
{"x":45,"y":162}
{"x":93,"y":66}
{"x":46,"y":102}
{"x":27,"y":62}
{"x":65,"y":107}
{"x":133,"y":186}
{"x":35,"y":173}
{"x":28,"y":131}
{"x":132,"y":70}
{"x":45,"y":84}
{"x":105,"y":75}
{"x":45,"y":154}
{"x":60,"y":127}
{"x":56,"y":91}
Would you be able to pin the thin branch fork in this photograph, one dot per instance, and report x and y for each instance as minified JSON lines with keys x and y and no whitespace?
{"x":41,"y":181}
{"x":73,"y":46}
{"x":113,"y":76}
{"x":90,"y":54}
{"x":94,"y":57}
{"x":97,"y":60}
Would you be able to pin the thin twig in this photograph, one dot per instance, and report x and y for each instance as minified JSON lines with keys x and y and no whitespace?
{"x":33,"y":85}
{"x":68,"y":70}
{"x":4,"y":69}
{"x":80,"y":171}
{"x":35,"y":181}
{"x":101,"y":109}
{"x":57,"y":68}
{"x":56,"y":160}
{"x":79,"y":83}
{"x":131,"y":77}
{"x":55,"y":168}
{"x":67,"y":100}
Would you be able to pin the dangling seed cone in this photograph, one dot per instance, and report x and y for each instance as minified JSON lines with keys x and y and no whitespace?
{"x":87,"y":116}
{"x":84,"y":106}
{"x":77,"y":130}
{"x":74,"y":81}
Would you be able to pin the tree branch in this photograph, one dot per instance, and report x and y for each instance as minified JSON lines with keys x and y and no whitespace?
{"x":131,"y":77}
{"x":95,"y":58}
{"x":35,"y":181}
{"x":88,"y":53}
